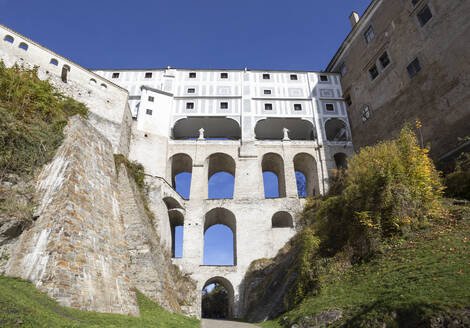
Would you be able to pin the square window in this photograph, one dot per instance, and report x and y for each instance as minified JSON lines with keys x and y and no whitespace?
{"x":384,"y":60}
{"x":267,"y":91}
{"x":189,"y":105}
{"x":324,"y":78}
{"x":268,"y":106}
{"x":266,"y":76}
{"x":293,"y":77}
{"x":348,"y":100}
{"x":148,"y":75}
{"x":369,"y":34}
{"x":373,"y":72}
{"x":148,"y":112}
{"x":424,"y":15}
{"x":115,"y":75}
{"x":413,"y":68}
{"x":191,"y":90}
{"x":297,"y":106}
{"x":151,"y":99}
{"x":192,"y":75}
{"x":223,"y":105}
{"x":330,"y":107}
{"x":224,"y":75}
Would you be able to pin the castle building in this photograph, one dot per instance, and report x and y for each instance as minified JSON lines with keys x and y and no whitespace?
{"x":407,"y":60}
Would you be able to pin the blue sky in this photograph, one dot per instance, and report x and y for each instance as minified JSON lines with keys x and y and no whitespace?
{"x":271,"y":34}
{"x":258,"y":34}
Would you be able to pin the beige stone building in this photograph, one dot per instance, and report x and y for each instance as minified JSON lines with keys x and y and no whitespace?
{"x":406,"y":60}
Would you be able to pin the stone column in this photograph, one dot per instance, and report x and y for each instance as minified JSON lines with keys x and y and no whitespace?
{"x":289,"y":171}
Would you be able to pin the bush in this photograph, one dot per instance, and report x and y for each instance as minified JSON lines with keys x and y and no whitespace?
{"x":458,"y":182}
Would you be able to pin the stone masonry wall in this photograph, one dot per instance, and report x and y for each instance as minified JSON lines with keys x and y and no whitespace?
{"x":151,"y":269}
{"x":75,"y":251}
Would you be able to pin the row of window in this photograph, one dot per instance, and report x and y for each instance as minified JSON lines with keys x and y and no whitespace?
{"x":10,"y":39}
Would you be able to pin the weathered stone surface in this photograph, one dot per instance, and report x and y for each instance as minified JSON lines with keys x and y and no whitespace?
{"x":76,"y":252}
{"x":320,"y":320}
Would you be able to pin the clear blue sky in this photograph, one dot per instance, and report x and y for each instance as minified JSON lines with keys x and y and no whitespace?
{"x":271,"y":34}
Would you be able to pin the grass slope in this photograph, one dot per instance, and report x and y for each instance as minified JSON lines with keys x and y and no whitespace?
{"x":22,"y":305}
{"x":414,"y":279}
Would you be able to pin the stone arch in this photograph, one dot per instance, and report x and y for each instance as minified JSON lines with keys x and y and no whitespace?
{"x":23,"y":46}
{"x":306,"y":164}
{"x":282,"y":219}
{"x":273,"y":162}
{"x":176,"y":217}
{"x":214,"y":127}
{"x":336,"y":130}
{"x":65,"y":71}
{"x":9,"y":38}
{"x":340,"y":160}
{"x":220,"y":215}
{"x":220,"y":162}
{"x":230,"y":293}
{"x":272,"y":129}
{"x":180,"y":163}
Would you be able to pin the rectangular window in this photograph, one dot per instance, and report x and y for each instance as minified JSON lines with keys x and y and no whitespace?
{"x":151,"y":99}
{"x":424,"y":15}
{"x":191,"y":90}
{"x":369,"y":34}
{"x":324,"y":78}
{"x":293,"y":77}
{"x":330,"y":107}
{"x":223,"y":105}
{"x":373,"y":72}
{"x":297,"y":106}
{"x":149,"y":112}
{"x":267,"y":91}
{"x":148,"y":75}
{"x":192,"y":75}
{"x":115,"y":75}
{"x":266,"y":76}
{"x":413,"y":68}
{"x":384,"y":60}
{"x":224,"y":75}
{"x":189,"y":105}
{"x":268,"y":106}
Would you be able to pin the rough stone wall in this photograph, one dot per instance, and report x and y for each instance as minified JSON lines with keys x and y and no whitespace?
{"x":151,"y":270}
{"x":439,"y":95}
{"x":75,"y":251}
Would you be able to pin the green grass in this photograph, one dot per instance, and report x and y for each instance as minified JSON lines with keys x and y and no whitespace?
{"x":22,"y":305}
{"x":415,"y":279}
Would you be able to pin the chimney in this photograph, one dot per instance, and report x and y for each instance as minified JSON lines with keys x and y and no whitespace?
{"x":354,"y":18}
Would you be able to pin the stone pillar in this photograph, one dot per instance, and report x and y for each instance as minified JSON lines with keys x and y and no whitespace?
{"x":289,"y":171}
{"x":248,"y":177}
{"x":199,"y":177}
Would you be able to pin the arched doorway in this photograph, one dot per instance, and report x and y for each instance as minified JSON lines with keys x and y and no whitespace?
{"x":272,"y":167}
{"x":176,"y":217}
{"x":221,"y":176}
{"x":217,"y":299}
{"x":181,"y":168}
{"x":220,"y":238}
{"x":307,"y":166}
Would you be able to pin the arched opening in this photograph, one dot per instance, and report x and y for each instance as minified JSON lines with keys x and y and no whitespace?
{"x":9,"y":38}
{"x":220,"y":237}
{"x":65,"y":71}
{"x":54,"y":62}
{"x":306,"y":165}
{"x":273,"y":129}
{"x":217,"y":299}
{"x":336,"y":130}
{"x":341,"y":161}
{"x":23,"y":46}
{"x":214,"y":127}
{"x":273,"y":164}
{"x":176,"y":218}
{"x":301,"y":182}
{"x":103,"y":86}
{"x":221,"y":176}
{"x":181,"y":168}
{"x":92,"y":81}
{"x":282,"y":219}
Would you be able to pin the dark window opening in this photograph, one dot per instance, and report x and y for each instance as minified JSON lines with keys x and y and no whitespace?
{"x":293,"y":77}
{"x":266,"y":76}
{"x":369,"y":34}
{"x":384,"y":60}
{"x":54,"y":62}
{"x":151,"y":99}
{"x":148,"y":112}
{"x":324,"y":78}
{"x":23,"y":46}
{"x":424,"y":15}
{"x":373,"y":72}
{"x":223,"y":105}
{"x":267,"y":92}
{"x":297,"y":106}
{"x":224,"y":75}
{"x":115,"y":75}
{"x":189,"y":105}
{"x":268,"y":106}
{"x":192,"y":75}
{"x":414,"y":2}
{"x":191,"y":90}
{"x":65,"y":70}
{"x":330,"y":107}
{"x":348,"y":100}
{"x":8,"y":38}
{"x":413,"y":68}
{"x":148,"y":75}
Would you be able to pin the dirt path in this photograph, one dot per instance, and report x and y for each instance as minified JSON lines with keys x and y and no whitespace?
{"x":209,"y":323}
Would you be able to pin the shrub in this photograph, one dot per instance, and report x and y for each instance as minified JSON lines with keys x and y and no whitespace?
{"x":458,"y":182}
